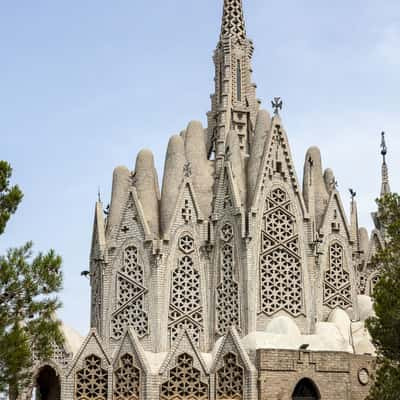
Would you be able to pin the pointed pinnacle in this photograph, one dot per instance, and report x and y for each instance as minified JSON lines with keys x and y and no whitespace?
{"x":233,"y":20}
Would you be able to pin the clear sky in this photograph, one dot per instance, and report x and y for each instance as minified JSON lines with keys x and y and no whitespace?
{"x":84,"y":85}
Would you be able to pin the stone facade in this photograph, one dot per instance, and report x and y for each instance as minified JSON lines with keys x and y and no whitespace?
{"x":234,"y":281}
{"x":335,"y":375}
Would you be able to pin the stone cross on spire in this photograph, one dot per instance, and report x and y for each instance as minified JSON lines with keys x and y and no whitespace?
{"x":385,"y":189}
{"x":233,"y":20}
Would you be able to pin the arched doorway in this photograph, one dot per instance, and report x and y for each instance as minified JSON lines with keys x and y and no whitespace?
{"x":48,"y":385}
{"x":306,"y":390}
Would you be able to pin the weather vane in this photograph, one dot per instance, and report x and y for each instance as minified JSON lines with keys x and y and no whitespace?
{"x":277,"y":104}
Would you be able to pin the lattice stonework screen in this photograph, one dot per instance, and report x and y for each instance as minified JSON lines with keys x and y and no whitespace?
{"x":96,"y":297}
{"x":184,"y":382}
{"x":126,"y":380}
{"x":229,"y":383}
{"x":91,"y":381}
{"x":280,"y":263}
{"x":337,"y":288}
{"x":185,"y":307}
{"x":130,"y":307}
{"x":228,"y":288}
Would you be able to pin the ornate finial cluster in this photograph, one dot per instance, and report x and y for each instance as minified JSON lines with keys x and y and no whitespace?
{"x":233,"y":20}
{"x":385,"y":189}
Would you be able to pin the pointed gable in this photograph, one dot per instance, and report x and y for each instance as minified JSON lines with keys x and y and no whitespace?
{"x":277,"y":164}
{"x":228,"y":198}
{"x":187,"y":209}
{"x":92,"y":345}
{"x":98,"y":236}
{"x":334,"y":219}
{"x":235,"y":375}
{"x":133,"y":223}
{"x":184,"y":344}
{"x":231,"y":344}
{"x":375,"y":244}
{"x":184,"y":374}
{"x":130,"y":367}
{"x":130,"y":345}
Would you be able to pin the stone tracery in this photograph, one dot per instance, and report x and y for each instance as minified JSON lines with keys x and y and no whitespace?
{"x":337,"y":288}
{"x":127,"y":379}
{"x":185,"y":309}
{"x":91,"y":380}
{"x":280,"y":262}
{"x":184,"y":381}
{"x":130,"y":296}
{"x":228,"y":288}
{"x":229,"y":379}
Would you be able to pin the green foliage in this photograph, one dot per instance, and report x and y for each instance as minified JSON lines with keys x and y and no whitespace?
{"x":385,"y":326}
{"x":28,"y":301}
{"x":10,"y":197}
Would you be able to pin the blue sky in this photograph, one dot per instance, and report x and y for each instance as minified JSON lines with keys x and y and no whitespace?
{"x":84,"y":85}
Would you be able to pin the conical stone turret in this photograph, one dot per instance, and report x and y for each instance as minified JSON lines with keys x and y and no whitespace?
{"x":146,"y":183}
{"x":173,"y":176}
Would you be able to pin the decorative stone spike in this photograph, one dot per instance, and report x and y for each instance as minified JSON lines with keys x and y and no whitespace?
{"x":263,"y":126}
{"x":364,"y":240}
{"x":120,"y":185}
{"x":147,"y":189}
{"x":235,"y":157}
{"x":354,"y":222}
{"x":314,"y":191}
{"x":173,"y":175}
{"x":330,"y":180}
{"x":196,"y":154}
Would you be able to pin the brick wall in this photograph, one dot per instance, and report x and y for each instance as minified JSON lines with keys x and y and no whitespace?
{"x":337,"y":375}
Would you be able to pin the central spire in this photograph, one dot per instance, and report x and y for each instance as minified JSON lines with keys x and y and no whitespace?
{"x":233,"y":20}
{"x":233,"y":105}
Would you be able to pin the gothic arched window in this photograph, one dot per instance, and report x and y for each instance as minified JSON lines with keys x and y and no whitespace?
{"x":229,"y":384}
{"x":185,"y":307}
{"x":127,"y":379}
{"x":337,"y":286}
{"x":281,"y":281}
{"x":130,"y":309}
{"x":228,"y":288}
{"x":91,"y":380}
{"x":184,"y":381}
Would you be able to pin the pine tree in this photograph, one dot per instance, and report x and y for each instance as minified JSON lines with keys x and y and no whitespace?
{"x":10,"y":196}
{"x":28,"y":285}
{"x":385,"y":326}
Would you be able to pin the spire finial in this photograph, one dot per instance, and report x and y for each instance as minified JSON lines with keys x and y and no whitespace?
{"x":98,"y":195}
{"x":385,"y":189}
{"x":233,"y":20}
{"x":277,"y":104}
{"x":383,"y":146}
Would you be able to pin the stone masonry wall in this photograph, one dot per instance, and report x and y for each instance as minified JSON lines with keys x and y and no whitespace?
{"x":338,"y":376}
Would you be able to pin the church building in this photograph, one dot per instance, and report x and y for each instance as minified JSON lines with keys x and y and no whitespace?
{"x":234,"y":279}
